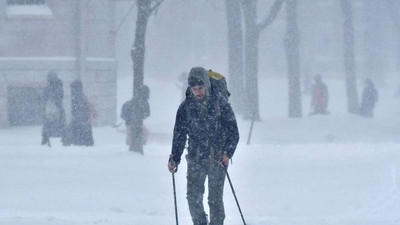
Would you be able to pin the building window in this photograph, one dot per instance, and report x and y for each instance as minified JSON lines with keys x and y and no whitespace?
{"x":28,"y":9}
{"x":25,"y":106}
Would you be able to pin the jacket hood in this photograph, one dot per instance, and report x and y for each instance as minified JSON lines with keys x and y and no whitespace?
{"x":199,"y":76}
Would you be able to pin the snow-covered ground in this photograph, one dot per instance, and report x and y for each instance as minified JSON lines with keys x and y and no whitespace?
{"x":334,"y":169}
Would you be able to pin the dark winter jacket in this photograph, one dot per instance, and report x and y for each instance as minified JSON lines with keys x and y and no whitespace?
{"x":80,"y":116}
{"x":53,"y":95}
{"x":54,"y":91}
{"x":133,"y":107}
{"x":80,"y":113}
{"x":369,"y":98}
{"x":136,"y":107}
{"x":210,"y":125}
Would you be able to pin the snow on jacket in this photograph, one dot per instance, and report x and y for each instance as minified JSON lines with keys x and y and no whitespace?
{"x":210,"y":125}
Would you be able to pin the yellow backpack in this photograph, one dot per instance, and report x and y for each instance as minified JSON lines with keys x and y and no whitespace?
{"x":218,"y":84}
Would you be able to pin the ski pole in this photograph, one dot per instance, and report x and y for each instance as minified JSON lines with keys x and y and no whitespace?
{"x":234,"y":194}
{"x":251,"y":127}
{"x":176,"y":209}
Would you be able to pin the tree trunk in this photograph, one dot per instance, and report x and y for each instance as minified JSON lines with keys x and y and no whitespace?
{"x":137,"y":55}
{"x":349,"y":57}
{"x":80,"y":18}
{"x":138,"y":48}
{"x":252,"y":35}
{"x":251,"y":60}
{"x":393,"y":7}
{"x":373,"y":36}
{"x":235,"y":46}
{"x":293,"y":59}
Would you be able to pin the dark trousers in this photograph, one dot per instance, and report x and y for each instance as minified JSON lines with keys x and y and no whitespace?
{"x":197,"y":172}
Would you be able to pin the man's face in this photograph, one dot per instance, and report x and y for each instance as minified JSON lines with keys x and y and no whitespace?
{"x":199,"y":91}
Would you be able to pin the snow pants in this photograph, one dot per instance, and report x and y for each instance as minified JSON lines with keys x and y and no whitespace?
{"x":197,"y":172}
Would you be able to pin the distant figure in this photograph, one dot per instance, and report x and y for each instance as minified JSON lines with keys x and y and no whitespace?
{"x":181,"y":84}
{"x":141,"y":108}
{"x":319,"y":100}
{"x":54,"y":119}
{"x":369,"y":99}
{"x":80,"y":129}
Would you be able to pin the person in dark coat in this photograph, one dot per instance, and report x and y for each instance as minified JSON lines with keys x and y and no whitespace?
{"x":54,"y":119}
{"x":369,"y":99}
{"x":141,"y":108}
{"x":209,"y":121}
{"x":320,"y":97}
{"x":80,"y":127}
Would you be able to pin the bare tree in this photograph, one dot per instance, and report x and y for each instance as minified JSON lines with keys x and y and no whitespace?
{"x":349,"y":57}
{"x":393,"y":8}
{"x":144,"y":10}
{"x":252,"y":34}
{"x":293,"y":59}
{"x":373,"y":65}
{"x":235,"y":47}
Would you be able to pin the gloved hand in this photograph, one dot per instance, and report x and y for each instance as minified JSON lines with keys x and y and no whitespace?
{"x":172,"y":166}
{"x":224,"y":160}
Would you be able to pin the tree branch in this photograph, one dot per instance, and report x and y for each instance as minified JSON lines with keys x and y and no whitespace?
{"x":276,"y":7}
{"x":156,"y":6}
{"x":123,"y":20}
{"x":213,"y":5}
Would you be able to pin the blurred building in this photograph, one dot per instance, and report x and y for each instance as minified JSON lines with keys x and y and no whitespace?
{"x":74,"y":38}
{"x":321,"y":27}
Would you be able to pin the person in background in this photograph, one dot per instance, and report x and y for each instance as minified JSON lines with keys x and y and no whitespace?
{"x":140,"y":106}
{"x":54,"y":116}
{"x":369,"y":99}
{"x":320,"y":97}
{"x":209,"y":121}
{"x":81,"y":118}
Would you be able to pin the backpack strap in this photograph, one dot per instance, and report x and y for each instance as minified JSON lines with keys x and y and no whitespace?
{"x":217,"y":122}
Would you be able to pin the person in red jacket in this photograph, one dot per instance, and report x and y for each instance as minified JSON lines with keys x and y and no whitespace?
{"x":319,"y":100}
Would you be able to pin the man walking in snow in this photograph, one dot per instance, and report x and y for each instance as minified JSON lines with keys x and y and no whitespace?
{"x":206,"y":117}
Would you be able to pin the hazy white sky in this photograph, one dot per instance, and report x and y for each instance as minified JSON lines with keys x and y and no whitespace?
{"x":193,"y":33}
